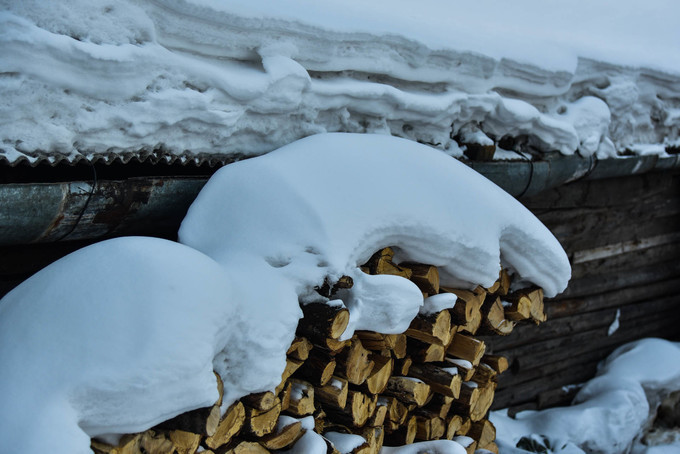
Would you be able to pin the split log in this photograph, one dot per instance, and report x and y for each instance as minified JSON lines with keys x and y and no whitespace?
{"x":286,"y":433}
{"x":518,"y":308}
{"x":300,"y":348}
{"x":322,"y":321}
{"x":465,"y":367}
{"x":467,"y":347}
{"x":202,"y":421}
{"x":480,"y":408}
{"x":230,"y":425}
{"x":260,"y":401}
{"x":535,"y":303}
{"x":497,"y":362}
{"x":454,"y":423}
{"x":301,"y":398}
{"x":317,"y":369}
{"x":375,"y":437}
{"x":408,"y":390}
{"x":381,"y":263}
{"x":357,"y":411}
{"x":432,"y":329}
{"x":483,"y":431}
{"x":439,"y":405}
{"x":184,"y":442}
{"x":491,"y":447}
{"x":469,"y":395}
{"x":426,"y":277}
{"x":493,"y":317}
{"x":247,"y":447}
{"x":259,"y":423}
{"x":376,"y":382}
{"x":429,"y":426}
{"x":395,"y":343}
{"x":378,"y":416}
{"x":354,"y":363}
{"x":465,"y":427}
{"x":402,"y":366}
{"x":423,"y":352}
{"x":149,"y":441}
{"x":484,"y":374}
{"x":334,"y":393}
{"x":404,"y":435}
{"x":444,"y":381}
{"x":466,"y":312}
{"x":284,"y":396}
{"x":291,"y":366}
{"x":396,"y":410}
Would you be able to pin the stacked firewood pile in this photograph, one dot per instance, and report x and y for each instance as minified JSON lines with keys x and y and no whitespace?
{"x":435,"y":381}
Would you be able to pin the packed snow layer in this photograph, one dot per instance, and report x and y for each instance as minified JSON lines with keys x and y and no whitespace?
{"x":191,"y":78}
{"x":317,"y":209}
{"x":610,"y":412}
{"x":122,"y":335}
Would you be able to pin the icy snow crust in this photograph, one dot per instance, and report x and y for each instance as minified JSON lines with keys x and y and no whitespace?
{"x":189,"y":78}
{"x":610,"y":411}
{"x":126,"y":333}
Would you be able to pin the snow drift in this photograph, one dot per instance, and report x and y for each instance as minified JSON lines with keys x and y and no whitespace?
{"x":126,"y":333}
{"x":610,"y":411}
{"x":194,"y":78}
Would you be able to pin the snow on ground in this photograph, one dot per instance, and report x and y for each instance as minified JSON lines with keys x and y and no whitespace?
{"x":196,"y":77}
{"x":610,"y":413}
{"x":126,"y":333}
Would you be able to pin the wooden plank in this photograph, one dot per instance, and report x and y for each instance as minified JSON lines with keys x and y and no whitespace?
{"x":514,"y":389}
{"x":525,"y":334}
{"x":634,"y":276}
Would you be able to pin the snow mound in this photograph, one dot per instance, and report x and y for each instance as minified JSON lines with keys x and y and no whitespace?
{"x":188,"y":78}
{"x":317,"y":209}
{"x":89,"y":345}
{"x":610,"y":411}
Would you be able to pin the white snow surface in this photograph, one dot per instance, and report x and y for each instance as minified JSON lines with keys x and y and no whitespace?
{"x":126,"y":333}
{"x":117,"y":337}
{"x":317,"y":209}
{"x":610,"y":412}
{"x":189,"y":78}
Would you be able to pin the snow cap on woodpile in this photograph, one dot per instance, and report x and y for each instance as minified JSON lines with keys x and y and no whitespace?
{"x":122,"y":335}
{"x":318,"y":208}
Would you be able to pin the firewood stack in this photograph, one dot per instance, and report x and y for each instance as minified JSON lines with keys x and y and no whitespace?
{"x":435,"y":381}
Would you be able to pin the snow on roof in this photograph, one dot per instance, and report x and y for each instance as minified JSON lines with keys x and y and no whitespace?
{"x":194,"y":79}
{"x":126,"y":333}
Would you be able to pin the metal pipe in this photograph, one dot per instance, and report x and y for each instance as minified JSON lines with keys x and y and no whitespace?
{"x":51,"y":212}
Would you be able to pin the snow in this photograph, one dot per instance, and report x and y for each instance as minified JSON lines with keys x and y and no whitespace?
{"x":437,"y":303}
{"x":344,"y":443}
{"x":126,"y":333}
{"x":610,"y":412}
{"x":614,"y":327}
{"x":89,"y":344}
{"x":191,"y":78}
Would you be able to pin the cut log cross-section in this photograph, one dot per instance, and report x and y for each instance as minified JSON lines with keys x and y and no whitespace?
{"x":467,"y":348}
{"x":409,"y":390}
{"x":445,"y":381}
{"x":334,"y":393}
{"x":228,"y":427}
{"x":323,"y":323}
{"x":433,"y":329}
{"x":426,"y":277}
{"x":354,"y":363}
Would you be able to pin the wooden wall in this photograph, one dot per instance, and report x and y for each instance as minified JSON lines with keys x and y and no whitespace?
{"x":623,"y":239}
